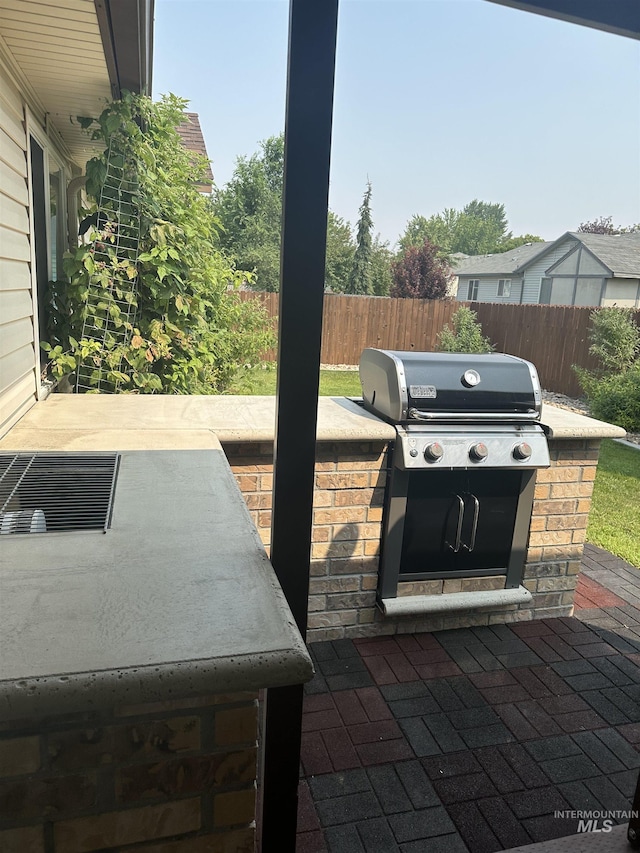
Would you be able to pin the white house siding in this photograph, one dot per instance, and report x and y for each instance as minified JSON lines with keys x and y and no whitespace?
{"x":488,"y":289}
{"x":535,"y":271}
{"x":17,"y":351}
{"x":622,"y":292}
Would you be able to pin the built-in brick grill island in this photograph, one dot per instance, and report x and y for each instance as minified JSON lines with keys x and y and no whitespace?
{"x":462,"y":474}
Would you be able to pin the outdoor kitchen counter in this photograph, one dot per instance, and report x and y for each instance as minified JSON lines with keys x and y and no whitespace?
{"x":178,"y":599}
{"x":81,"y":421}
{"x":561,"y":423}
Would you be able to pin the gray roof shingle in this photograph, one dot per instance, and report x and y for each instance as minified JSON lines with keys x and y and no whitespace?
{"x":503,"y":263}
{"x":619,"y":252}
{"x":192,"y":138}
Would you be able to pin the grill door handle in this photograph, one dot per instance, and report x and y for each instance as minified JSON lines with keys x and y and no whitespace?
{"x":456,"y":546}
{"x":474,"y":524}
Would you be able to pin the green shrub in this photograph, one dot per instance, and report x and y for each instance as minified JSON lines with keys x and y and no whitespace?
{"x":466,"y":335}
{"x":613,"y":390}
{"x":616,"y":399}
{"x":615,"y":339}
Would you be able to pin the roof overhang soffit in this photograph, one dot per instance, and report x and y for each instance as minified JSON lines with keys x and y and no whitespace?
{"x":621,"y":17}
{"x":126,"y":28}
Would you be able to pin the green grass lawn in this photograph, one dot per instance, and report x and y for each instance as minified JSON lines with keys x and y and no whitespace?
{"x":614,"y":523}
{"x":333,"y":383}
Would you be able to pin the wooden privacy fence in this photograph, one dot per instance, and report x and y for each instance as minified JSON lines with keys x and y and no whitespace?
{"x":553,"y":337}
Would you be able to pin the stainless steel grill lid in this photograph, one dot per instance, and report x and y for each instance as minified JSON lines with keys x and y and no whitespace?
{"x":408,"y":386}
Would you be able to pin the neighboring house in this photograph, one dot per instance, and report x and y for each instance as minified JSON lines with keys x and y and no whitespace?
{"x":576,"y":269}
{"x":192,"y":138}
{"x":455,"y":259}
{"x":57,"y":61}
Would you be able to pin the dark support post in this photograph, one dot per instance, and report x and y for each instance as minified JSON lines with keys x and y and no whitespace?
{"x":312,"y":44}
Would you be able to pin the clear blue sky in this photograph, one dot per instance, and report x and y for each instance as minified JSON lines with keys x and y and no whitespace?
{"x":437,"y":102}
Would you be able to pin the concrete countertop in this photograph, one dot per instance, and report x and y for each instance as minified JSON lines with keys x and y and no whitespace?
{"x":231,"y":419}
{"x":561,"y":423}
{"x":80,"y":421}
{"x":177,"y":598}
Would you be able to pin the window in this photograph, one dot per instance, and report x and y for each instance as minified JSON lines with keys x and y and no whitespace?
{"x":56,"y":220}
{"x":472,"y":293}
{"x":48,"y":204}
{"x":504,"y":287}
{"x":545,"y":291}
{"x":40,"y":225}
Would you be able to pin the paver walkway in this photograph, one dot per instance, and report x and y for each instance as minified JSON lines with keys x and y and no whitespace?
{"x":471,"y":739}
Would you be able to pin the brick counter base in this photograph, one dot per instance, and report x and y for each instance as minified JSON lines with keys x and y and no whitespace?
{"x":349,"y":495}
{"x":171,"y":777}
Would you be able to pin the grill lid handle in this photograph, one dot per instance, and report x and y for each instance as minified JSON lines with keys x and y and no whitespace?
{"x":421,"y":415}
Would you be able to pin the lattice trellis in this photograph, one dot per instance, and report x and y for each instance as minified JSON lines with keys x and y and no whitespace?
{"x":111,"y":302}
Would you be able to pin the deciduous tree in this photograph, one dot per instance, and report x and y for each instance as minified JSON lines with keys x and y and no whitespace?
{"x":523,"y":240}
{"x":420,"y":273}
{"x":340,"y":251}
{"x":381,"y":260}
{"x":480,"y":228}
{"x":249,"y":209}
{"x":604,"y":225}
{"x":438,"y":229}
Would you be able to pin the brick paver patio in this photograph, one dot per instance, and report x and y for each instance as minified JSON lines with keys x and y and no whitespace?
{"x":471,"y":739}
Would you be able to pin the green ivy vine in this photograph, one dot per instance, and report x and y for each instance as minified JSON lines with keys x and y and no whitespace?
{"x":190,"y":332}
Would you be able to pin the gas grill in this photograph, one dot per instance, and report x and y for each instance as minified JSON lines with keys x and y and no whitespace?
{"x":462,"y":470}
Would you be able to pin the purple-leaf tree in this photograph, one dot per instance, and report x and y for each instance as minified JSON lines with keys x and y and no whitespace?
{"x":421,"y":273}
{"x":604,"y":225}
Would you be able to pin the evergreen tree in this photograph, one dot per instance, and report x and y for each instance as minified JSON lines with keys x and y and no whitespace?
{"x":360,"y":277}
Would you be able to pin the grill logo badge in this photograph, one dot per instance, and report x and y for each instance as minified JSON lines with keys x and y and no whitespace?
{"x":423,"y":392}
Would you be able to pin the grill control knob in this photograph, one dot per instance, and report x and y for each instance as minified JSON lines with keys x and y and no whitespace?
{"x":478,"y":452}
{"x":433,"y":452}
{"x":522,"y":451}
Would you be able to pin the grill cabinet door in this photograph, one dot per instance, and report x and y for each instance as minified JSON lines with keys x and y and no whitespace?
{"x":459,"y":522}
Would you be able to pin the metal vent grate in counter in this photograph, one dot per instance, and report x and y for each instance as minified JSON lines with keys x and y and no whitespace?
{"x":50,"y":492}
